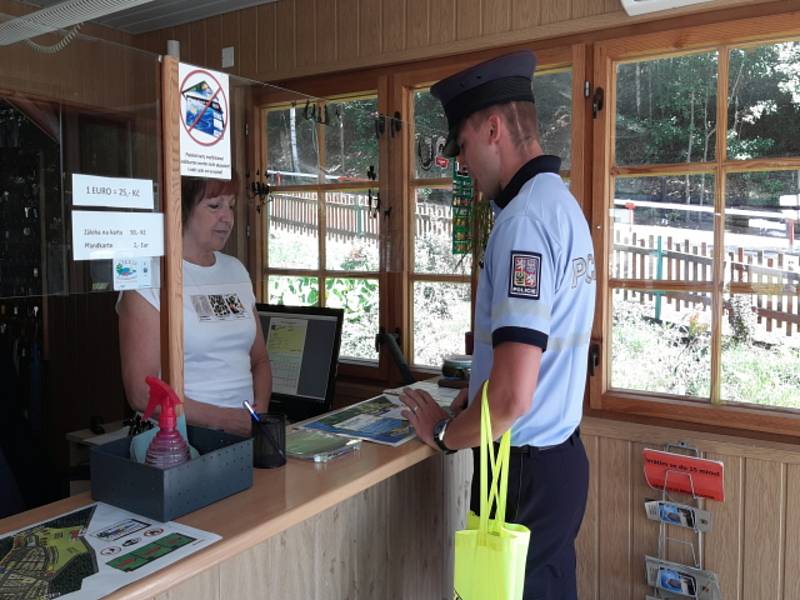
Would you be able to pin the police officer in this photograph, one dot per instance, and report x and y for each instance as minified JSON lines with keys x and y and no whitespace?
{"x":533,"y":317}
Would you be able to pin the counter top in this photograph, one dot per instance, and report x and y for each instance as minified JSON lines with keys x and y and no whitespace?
{"x":278,"y":499}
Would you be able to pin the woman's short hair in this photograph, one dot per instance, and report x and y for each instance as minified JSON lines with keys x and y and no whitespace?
{"x":194,"y":189}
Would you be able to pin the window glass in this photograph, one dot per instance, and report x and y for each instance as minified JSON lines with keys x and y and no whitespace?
{"x":764,"y":101}
{"x":666,"y":110}
{"x":661,"y":342}
{"x":761,"y":350}
{"x":663,"y":228}
{"x":352,"y":223}
{"x":430,"y":129}
{"x":351,"y":146}
{"x":441,"y":317}
{"x":292,"y":147}
{"x":433,"y":235}
{"x":293,"y":230}
{"x":762,"y":227}
{"x":293,"y":290}
{"x":553,"y":94}
{"x":360,"y":300}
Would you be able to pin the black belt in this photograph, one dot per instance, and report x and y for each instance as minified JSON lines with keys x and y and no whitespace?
{"x":533,"y":450}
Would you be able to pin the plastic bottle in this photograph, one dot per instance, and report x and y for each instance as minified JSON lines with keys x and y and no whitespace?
{"x":168,"y":447}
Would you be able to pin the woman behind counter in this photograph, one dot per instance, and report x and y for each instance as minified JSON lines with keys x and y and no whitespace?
{"x":225,"y":357}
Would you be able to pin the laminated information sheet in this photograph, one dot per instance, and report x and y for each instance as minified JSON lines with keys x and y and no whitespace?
{"x":90,"y":552}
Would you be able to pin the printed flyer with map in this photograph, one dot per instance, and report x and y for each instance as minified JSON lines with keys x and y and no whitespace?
{"x":90,"y":552}
{"x":378,"y":420}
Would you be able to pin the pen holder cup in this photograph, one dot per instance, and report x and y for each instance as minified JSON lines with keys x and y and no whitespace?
{"x":269,"y":441}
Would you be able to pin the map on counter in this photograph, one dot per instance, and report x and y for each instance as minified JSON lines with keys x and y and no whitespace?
{"x":375,"y":420}
{"x":90,"y":552}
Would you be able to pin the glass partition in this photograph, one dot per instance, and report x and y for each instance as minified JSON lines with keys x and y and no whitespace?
{"x":80,"y":181}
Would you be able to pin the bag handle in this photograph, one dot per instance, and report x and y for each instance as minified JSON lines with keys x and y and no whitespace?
{"x":499,"y":467}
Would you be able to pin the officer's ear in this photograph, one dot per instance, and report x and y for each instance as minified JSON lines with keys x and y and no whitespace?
{"x":494,"y":126}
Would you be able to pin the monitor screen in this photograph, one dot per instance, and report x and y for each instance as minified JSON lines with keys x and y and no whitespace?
{"x":303,"y":347}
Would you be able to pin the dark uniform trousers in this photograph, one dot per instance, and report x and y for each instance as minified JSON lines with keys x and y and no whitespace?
{"x":547,"y":489}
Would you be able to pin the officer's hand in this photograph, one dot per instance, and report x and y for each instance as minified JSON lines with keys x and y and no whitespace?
{"x":423,"y":413}
{"x":460,"y":402}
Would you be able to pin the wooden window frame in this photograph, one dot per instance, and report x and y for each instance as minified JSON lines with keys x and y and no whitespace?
{"x":348,"y":88}
{"x":721,"y":37}
{"x":404,"y":85}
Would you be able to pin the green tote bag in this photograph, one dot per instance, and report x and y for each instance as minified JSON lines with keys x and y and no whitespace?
{"x":490,"y":554}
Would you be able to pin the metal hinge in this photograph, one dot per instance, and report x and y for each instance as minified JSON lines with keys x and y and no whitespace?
{"x":246,"y":129}
{"x":587,"y":88}
{"x":247,"y":230}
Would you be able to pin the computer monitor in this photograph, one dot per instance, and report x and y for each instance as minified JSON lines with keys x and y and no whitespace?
{"x":303,"y":345}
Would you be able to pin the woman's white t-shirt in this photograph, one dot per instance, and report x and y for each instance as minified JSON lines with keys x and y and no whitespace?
{"x":219,"y":329}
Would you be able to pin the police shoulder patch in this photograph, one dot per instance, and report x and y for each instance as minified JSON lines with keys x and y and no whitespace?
{"x":524,"y":275}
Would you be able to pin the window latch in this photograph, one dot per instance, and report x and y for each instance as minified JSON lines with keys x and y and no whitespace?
{"x":594,"y":358}
{"x":597,"y":102}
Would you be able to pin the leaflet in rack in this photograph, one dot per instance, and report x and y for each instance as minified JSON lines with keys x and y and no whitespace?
{"x":375,"y":420}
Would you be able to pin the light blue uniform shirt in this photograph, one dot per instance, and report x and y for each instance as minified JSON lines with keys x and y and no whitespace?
{"x":537,"y":286}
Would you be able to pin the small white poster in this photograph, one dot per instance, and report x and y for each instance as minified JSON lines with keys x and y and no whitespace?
{"x":100,"y":235}
{"x":114,"y":192}
{"x":205,"y":146}
{"x":133,"y":273}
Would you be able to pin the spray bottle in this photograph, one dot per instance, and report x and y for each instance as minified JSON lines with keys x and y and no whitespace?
{"x":168,"y":447}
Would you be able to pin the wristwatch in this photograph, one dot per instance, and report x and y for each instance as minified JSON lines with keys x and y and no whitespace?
{"x":438,"y":435}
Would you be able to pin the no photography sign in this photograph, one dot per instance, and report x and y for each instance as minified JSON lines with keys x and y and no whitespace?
{"x":205,"y":123}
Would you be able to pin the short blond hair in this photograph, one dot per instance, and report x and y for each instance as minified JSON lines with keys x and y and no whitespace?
{"x":520,"y":117}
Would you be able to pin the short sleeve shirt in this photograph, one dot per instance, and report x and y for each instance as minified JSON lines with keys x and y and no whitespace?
{"x":537,"y":286}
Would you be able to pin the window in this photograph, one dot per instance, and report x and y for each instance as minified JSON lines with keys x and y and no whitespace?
{"x":700,"y":201}
{"x":322,"y":224}
{"x":440,"y":278}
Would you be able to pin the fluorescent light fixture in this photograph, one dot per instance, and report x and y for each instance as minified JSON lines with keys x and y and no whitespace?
{"x":59,"y":16}
{"x":640,"y":7}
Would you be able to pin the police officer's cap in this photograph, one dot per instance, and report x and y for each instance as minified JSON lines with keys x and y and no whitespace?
{"x":503,"y":79}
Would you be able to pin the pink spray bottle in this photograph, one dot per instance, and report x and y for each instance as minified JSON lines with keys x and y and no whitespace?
{"x":168,"y":447}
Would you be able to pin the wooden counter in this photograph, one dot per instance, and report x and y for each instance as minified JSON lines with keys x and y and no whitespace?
{"x":373,"y":524}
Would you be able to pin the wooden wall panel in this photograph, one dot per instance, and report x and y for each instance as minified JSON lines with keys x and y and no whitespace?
{"x":555,"y":12}
{"x":725,"y":559}
{"x":204,"y":586}
{"x":247,"y":58}
{"x":327,"y":14}
{"x":267,"y":40}
{"x":231,"y":34}
{"x":285,"y":36}
{"x":369,"y":28}
{"x":354,"y":34}
{"x":644,"y":532}
{"x":586,"y":546}
{"x":524,"y":14}
{"x":418,"y":22}
{"x":214,"y":43}
{"x":198,"y":43}
{"x":614,"y":473}
{"x":442,"y":22}
{"x":468,"y":19}
{"x":496,"y":17}
{"x":305,"y":33}
{"x":764,"y":505}
{"x":347,"y":30}
{"x":791,"y":585}
{"x":393,"y":25}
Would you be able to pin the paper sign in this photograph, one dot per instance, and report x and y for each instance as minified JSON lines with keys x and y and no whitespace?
{"x":132,"y":273}
{"x":116,"y":192}
{"x":686,"y":474}
{"x":102,"y":235}
{"x":205,"y":123}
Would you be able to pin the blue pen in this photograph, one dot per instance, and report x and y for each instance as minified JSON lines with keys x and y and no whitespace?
{"x":264,"y":429}
{"x":249,"y":408}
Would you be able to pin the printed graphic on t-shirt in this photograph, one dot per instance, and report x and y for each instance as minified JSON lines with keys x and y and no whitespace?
{"x":218,"y":307}
{"x":524,"y":275}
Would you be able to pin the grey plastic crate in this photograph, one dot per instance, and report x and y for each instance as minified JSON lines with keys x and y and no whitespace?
{"x":224,"y":467}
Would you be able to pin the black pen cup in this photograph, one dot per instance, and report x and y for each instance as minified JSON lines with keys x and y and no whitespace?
{"x":269,"y":441}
